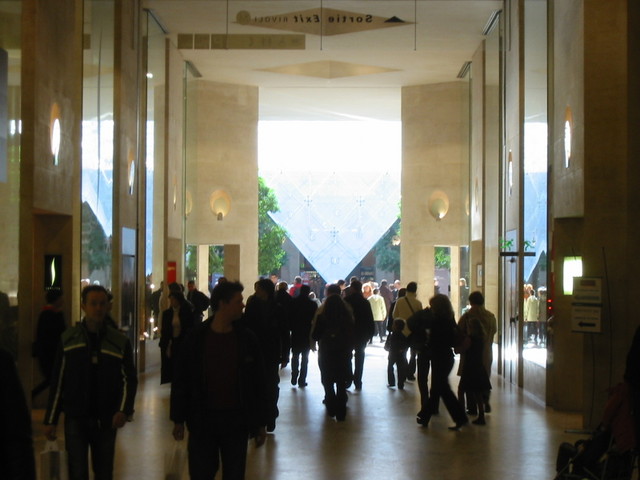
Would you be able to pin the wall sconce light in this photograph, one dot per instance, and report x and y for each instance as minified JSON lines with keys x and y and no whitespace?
{"x":175,"y":193}
{"x":568,"y":135}
{"x":395,"y":240}
{"x":220,"y":204}
{"x":55,"y":133}
{"x":571,"y":267}
{"x":438,"y":204}
{"x":131,"y":161}
{"x":188,"y":203}
{"x":510,"y":171}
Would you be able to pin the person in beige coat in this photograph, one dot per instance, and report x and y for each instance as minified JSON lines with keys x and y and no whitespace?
{"x":489,"y":325}
{"x":379,"y":311}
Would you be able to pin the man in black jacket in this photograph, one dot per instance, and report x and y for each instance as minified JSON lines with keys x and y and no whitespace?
{"x":364,"y":327}
{"x":94,"y":382}
{"x":198,"y":299}
{"x":219,"y":390}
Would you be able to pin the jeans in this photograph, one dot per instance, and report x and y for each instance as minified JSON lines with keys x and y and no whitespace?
{"x":299,"y":362}
{"x":82,"y":434}
{"x":359,"y":363}
{"x":222,"y":437}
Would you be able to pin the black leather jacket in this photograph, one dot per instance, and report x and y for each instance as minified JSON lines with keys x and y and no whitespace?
{"x":70,"y":382}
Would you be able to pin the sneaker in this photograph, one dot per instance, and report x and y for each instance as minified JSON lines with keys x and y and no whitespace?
{"x":479,"y":421}
{"x":302,"y":384}
{"x":400,"y":387}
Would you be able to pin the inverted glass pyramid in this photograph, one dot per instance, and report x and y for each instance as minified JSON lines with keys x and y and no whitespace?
{"x":334,"y":219}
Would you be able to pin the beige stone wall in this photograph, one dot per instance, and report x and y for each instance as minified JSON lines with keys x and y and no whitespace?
{"x":568,"y":85}
{"x":596,"y":69}
{"x":224,"y":121}
{"x":49,"y":194}
{"x":174,"y":163}
{"x":126,"y":107}
{"x":435,"y":156}
{"x":564,"y":373}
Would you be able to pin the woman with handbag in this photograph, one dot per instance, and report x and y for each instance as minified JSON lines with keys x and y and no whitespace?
{"x":441,"y":340}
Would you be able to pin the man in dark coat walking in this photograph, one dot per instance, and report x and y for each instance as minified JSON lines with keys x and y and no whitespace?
{"x":364,"y":328}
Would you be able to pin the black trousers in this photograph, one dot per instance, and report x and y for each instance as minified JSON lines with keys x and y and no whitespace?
{"x":423,"y":363}
{"x":82,"y":435}
{"x":440,"y":388}
{"x":222,"y":438}
{"x":399,"y":360}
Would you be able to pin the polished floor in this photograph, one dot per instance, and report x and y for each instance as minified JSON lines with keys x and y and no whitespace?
{"x":379,"y":439}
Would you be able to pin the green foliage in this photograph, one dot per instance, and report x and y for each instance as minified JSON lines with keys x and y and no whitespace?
{"x":216,"y":260}
{"x":96,"y":248}
{"x":387,"y":254}
{"x":443,"y":257}
{"x":271,"y":236}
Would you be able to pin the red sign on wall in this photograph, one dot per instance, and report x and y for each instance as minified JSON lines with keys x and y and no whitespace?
{"x":171,"y":272}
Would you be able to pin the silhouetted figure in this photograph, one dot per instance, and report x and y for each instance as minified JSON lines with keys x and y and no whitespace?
{"x":16,"y":444}
{"x":51,"y":324}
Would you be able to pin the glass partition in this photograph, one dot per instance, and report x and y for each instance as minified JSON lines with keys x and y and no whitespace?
{"x":10,"y":130}
{"x":535,"y":182}
{"x":97,"y":142}
{"x":154,"y":58}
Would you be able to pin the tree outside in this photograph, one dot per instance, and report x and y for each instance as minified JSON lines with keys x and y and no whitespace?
{"x":388,"y":250}
{"x":271,"y":255}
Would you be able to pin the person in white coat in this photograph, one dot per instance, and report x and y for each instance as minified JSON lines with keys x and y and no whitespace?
{"x":379,"y":309}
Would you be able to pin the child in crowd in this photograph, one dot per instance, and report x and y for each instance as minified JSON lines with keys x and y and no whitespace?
{"x":397,"y":345}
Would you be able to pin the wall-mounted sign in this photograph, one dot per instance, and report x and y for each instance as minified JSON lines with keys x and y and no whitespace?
{"x":320,"y":21}
{"x":53,"y":272}
{"x":586,"y":306}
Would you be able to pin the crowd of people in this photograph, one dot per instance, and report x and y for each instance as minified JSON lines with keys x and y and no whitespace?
{"x":222,"y":403}
{"x":224,"y":371}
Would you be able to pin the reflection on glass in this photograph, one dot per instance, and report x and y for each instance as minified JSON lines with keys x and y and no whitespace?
{"x":97,"y":142}
{"x":154,"y":161}
{"x":535,"y":175}
{"x":10,"y":131}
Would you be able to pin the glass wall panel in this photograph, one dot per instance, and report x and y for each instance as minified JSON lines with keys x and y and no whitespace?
{"x":193,"y":253}
{"x":97,"y":142}
{"x":154,"y":147}
{"x":535,"y":179}
{"x":10,"y":130}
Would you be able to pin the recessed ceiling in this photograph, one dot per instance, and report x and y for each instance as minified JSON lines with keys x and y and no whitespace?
{"x":349,"y":46}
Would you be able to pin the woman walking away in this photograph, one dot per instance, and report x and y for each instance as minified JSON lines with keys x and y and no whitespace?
{"x":177,"y":321}
{"x":442,"y":336}
{"x":474,"y":379}
{"x":333,"y":330}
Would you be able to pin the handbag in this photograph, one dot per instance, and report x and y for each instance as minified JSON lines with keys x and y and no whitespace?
{"x":53,"y":462}
{"x":175,"y":461}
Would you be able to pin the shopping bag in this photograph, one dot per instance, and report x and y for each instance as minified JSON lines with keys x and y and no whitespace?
{"x":175,"y":461}
{"x":53,"y":462}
